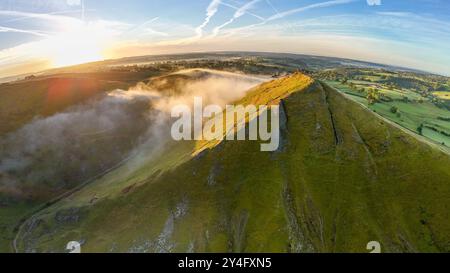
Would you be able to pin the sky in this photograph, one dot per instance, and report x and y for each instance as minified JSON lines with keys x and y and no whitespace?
{"x":40,"y":34}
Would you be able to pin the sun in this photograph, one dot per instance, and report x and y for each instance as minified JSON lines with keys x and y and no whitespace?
{"x":85,"y":43}
{"x":75,"y":49}
{"x":77,"y":46}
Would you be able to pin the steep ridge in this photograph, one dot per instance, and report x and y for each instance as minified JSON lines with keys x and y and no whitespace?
{"x":342,"y":177}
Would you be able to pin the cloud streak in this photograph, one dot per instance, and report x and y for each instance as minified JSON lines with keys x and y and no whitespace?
{"x":53,"y":17}
{"x":25,"y":31}
{"x":374,"y":2}
{"x":145,"y":30}
{"x":309,"y":7}
{"x":212,"y":9}
{"x":280,"y":15}
{"x":247,"y":12}
{"x":239,"y":13}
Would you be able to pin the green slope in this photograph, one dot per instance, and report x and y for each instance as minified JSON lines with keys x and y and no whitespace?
{"x":341,"y":178}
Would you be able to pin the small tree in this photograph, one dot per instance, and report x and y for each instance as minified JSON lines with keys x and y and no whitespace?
{"x":420,"y":129}
{"x":394,"y":109}
{"x":373,"y":96}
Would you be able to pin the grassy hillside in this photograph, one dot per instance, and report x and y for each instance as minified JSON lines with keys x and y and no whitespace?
{"x":341,"y":178}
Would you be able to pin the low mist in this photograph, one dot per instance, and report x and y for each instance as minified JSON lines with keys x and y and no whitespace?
{"x":51,"y":155}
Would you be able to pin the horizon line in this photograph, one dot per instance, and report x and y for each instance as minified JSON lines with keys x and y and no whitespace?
{"x":398,"y":67}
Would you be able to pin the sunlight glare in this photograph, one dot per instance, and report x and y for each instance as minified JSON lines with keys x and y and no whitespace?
{"x":79,"y":44}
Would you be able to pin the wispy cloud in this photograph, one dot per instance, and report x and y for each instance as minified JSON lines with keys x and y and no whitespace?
{"x":280,"y":15}
{"x":78,"y":3}
{"x":395,"y":13}
{"x":272,"y":7}
{"x":148,"y":22}
{"x":247,"y":11}
{"x":25,"y":31}
{"x":302,"y":9}
{"x":212,"y":9}
{"x":374,"y":2}
{"x":239,"y":13}
{"x":53,"y":17}
{"x":39,"y":15}
{"x":152,"y":32}
{"x":145,"y":29}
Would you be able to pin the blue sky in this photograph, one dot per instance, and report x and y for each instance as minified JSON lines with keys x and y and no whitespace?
{"x":40,"y":34}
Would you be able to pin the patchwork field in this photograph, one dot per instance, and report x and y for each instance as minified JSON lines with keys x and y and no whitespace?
{"x":413,"y":106}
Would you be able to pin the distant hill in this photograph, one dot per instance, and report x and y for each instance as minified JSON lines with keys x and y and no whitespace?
{"x":299,"y":61}
{"x":341,"y":178}
{"x":302,"y":60}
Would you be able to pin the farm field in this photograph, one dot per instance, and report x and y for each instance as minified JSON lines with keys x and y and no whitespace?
{"x":422,"y":112}
{"x":445,"y":95}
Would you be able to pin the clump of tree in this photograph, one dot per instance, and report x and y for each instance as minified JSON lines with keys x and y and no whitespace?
{"x":394,"y":110}
{"x":420,"y":129}
{"x":373,"y":96}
